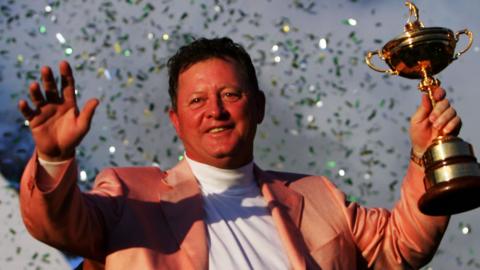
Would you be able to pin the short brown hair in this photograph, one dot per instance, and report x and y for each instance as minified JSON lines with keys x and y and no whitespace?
{"x":203,"y":49}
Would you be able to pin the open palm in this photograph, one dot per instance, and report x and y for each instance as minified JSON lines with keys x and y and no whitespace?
{"x":56,"y":123}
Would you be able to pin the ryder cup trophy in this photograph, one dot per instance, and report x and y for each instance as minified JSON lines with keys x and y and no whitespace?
{"x":452,"y":174}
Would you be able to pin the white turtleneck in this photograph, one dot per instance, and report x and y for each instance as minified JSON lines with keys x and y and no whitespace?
{"x":241,"y":231}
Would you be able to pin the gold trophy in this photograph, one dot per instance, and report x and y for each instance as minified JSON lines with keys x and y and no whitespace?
{"x":452,"y":174}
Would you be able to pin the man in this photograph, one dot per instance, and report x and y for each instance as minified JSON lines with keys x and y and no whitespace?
{"x":215,"y":209}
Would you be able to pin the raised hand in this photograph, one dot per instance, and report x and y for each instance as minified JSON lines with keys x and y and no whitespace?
{"x":429,"y":122}
{"x":56,"y":123}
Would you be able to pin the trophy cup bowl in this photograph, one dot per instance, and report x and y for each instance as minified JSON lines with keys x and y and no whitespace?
{"x":452,"y":174}
{"x":434,"y":47}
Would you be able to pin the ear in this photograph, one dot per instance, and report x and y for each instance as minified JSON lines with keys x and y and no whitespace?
{"x":172,"y":114}
{"x":260,"y":100}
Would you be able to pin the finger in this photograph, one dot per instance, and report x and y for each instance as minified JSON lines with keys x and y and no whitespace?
{"x":26,"y":111}
{"x":423,"y":110}
{"x":49,"y":84}
{"x":453,"y":126}
{"x":69,"y":95}
{"x":36,"y":94}
{"x":439,"y":93}
{"x":439,"y":108}
{"x":85,"y":117}
{"x":68,"y":82}
{"x":444,"y":118}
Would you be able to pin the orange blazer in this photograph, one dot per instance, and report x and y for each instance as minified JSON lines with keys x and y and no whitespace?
{"x":145,"y":218}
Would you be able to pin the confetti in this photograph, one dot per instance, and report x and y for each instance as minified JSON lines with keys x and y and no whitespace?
{"x":42,"y":29}
{"x":60,"y":38}
{"x":322,"y":43}
{"x":68,"y":51}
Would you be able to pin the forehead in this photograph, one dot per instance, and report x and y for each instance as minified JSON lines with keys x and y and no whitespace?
{"x":214,"y":68}
{"x":213,"y":64}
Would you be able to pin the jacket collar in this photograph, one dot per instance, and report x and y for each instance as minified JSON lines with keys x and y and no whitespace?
{"x":182,"y":205}
{"x":184,"y":197}
{"x":285,"y":206}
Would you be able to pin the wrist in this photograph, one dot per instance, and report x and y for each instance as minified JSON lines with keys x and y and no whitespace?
{"x":416,"y":158}
{"x":54,"y":159}
{"x":418,"y":151}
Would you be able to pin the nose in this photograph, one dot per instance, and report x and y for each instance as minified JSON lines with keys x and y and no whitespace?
{"x":216,"y":109}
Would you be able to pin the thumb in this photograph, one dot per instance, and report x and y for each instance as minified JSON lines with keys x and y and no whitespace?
{"x":423,"y":110}
{"x":85,"y":117}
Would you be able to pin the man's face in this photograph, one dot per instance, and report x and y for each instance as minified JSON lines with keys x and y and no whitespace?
{"x":217,"y":113}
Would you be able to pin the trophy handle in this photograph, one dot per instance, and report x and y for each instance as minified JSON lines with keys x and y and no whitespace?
{"x":368,"y":58}
{"x":470,"y":41}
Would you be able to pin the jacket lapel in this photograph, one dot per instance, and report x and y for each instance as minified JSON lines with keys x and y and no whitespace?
{"x":285,"y":206}
{"x":182,"y":205}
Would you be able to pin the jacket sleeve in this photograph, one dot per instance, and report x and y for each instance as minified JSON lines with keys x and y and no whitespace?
{"x":401,"y":239}
{"x":64,"y":217}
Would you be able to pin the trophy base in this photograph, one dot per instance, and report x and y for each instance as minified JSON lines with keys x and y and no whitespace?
{"x":452,"y":197}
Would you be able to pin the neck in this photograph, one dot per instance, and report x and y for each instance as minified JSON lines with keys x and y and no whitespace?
{"x":226,"y":162}
{"x":219,"y":180}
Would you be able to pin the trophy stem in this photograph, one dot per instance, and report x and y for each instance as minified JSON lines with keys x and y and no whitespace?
{"x":427,"y":83}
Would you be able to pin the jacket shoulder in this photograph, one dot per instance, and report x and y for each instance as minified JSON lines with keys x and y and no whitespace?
{"x":304,"y":182}
{"x":132,"y":180}
{"x":139,"y":172}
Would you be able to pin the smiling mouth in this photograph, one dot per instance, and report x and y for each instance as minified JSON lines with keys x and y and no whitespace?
{"x":216,"y":130}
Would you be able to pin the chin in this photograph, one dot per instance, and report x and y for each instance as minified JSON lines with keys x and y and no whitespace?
{"x":222,"y":154}
{"x":225,"y":153}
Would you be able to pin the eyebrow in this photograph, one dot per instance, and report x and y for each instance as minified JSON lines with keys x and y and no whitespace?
{"x":221,"y":88}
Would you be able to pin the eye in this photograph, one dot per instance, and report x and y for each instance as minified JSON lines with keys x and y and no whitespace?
{"x":232,"y":96}
{"x":196,"y":102}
